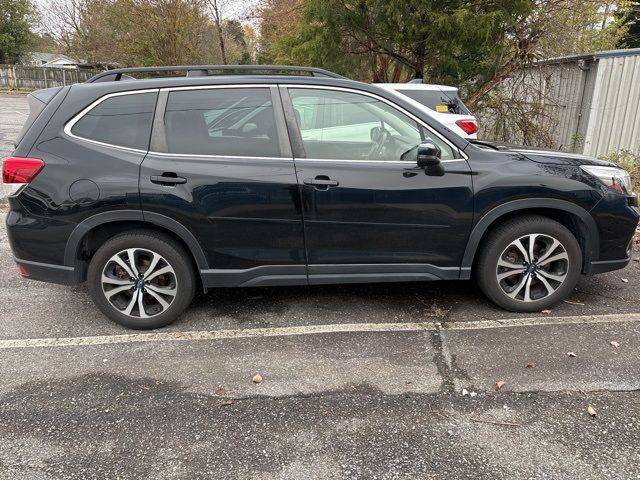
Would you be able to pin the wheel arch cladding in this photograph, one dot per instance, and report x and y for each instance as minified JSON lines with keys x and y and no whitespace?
{"x":572,"y":216}
{"x":98,"y":228}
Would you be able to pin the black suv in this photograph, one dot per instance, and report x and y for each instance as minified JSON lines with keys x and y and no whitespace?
{"x":221,"y":177}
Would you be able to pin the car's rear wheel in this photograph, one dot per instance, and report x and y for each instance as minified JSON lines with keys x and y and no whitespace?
{"x":141,"y":280}
{"x":529,"y":264}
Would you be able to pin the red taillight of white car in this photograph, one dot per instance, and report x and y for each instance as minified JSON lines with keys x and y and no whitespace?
{"x":19,"y":171}
{"x":469,"y":126}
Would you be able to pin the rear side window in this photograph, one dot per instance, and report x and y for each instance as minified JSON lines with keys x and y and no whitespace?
{"x":221,"y":121}
{"x":440,"y":101}
{"x":123,"y":120}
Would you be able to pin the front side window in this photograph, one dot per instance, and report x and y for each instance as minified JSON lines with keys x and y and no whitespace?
{"x":122,"y":120}
{"x":221,"y":122}
{"x":340,"y":125}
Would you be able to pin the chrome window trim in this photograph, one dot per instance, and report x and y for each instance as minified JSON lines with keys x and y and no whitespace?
{"x":221,"y":157}
{"x":70,"y":124}
{"x":391,"y":104}
{"x":211,"y":87}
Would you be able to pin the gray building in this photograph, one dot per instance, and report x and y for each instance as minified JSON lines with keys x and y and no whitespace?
{"x":585,"y":103}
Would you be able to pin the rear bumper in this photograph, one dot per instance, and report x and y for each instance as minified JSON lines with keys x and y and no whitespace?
{"x":46,"y":272}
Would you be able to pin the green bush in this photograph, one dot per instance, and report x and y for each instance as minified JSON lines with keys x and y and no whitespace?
{"x":630,"y":162}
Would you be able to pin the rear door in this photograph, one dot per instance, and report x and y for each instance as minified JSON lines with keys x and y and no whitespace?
{"x":221,"y":165}
{"x":370,"y":213}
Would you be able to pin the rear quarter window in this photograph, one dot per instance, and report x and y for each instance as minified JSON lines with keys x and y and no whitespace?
{"x":122,"y":120}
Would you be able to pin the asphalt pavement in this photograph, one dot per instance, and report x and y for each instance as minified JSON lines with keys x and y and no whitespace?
{"x":375,"y":381}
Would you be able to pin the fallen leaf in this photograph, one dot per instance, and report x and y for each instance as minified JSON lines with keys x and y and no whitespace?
{"x":530,"y":365}
{"x":499,"y":385}
{"x":177,"y":334}
{"x":227,"y":402}
{"x":571,"y":354}
{"x":546,"y":311}
{"x":464,"y":392}
{"x":613,"y":343}
{"x":220,"y":391}
{"x":257,"y":378}
{"x":591,"y":411}
{"x":625,"y":280}
{"x":473,"y":394}
{"x":573,"y":303}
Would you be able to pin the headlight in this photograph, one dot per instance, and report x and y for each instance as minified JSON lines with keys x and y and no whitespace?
{"x":613,"y":177}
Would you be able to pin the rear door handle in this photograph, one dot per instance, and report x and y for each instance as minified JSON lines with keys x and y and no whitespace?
{"x":166,"y":179}
{"x":321,"y":182}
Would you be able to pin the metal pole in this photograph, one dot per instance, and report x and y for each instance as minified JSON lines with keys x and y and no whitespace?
{"x":44,"y":72}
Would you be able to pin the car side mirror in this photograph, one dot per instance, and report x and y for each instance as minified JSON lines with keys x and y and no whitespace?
{"x":429,"y":159}
{"x":428,"y":155}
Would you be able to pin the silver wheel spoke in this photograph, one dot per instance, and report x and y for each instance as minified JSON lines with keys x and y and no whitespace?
{"x":516,"y":290}
{"x":141,"y":311}
{"x":532,"y":243}
{"x":527,"y":289}
{"x":132,"y":303}
{"x":518,"y":244}
{"x":547,"y":285}
{"x":159,"y":299}
{"x":551,"y":276}
{"x":508,"y":274}
{"x":554,"y":246}
{"x":116,"y":281}
{"x":131,"y":255}
{"x":554,"y":258}
{"x":160,"y":271}
{"x":113,"y":291}
{"x":154,"y":263}
{"x":161,"y":290}
{"x":504,"y":263}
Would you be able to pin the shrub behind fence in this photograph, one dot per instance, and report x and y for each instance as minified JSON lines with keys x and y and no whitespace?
{"x":24,"y":77}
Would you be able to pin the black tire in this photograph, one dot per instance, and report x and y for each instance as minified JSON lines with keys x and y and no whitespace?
{"x":146,"y":246}
{"x":500,"y":246}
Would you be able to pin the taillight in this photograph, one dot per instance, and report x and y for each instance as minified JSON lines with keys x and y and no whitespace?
{"x":469,"y":126}
{"x":19,"y":171}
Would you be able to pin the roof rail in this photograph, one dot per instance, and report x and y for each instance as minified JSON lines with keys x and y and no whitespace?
{"x":204,"y":70}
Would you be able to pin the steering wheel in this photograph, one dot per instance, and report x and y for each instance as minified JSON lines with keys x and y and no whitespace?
{"x":380,"y":137}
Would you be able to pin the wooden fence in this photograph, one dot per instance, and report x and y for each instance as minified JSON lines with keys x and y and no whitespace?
{"x":23,"y":77}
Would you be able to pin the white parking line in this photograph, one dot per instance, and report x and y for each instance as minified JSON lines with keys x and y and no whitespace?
{"x":312,"y":330}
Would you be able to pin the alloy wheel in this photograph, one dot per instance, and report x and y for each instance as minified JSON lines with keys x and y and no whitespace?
{"x":139,"y":282}
{"x":532,"y":267}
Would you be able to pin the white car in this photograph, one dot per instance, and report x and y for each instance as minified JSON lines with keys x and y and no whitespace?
{"x":442,"y":103}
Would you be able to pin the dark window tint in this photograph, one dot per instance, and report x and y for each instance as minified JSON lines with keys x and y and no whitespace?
{"x":222,"y":121}
{"x":123,"y":120}
{"x":440,"y":101}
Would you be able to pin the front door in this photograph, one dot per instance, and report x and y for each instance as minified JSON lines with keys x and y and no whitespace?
{"x":220,"y":165}
{"x":369,"y":212}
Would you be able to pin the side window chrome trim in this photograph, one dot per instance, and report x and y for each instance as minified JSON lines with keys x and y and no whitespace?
{"x":76,"y":119}
{"x":211,"y":87}
{"x":222,"y":157}
{"x":393,"y":105}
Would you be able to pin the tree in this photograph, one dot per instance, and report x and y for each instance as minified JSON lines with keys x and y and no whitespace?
{"x":630,"y":17}
{"x":135,"y":32}
{"x":15,"y":33}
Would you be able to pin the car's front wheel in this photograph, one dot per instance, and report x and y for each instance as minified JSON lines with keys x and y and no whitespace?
{"x":141,"y":279}
{"x":529,"y":264}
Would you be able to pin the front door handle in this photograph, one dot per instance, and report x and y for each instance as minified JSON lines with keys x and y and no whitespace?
{"x":321,"y":182}
{"x":168,"y":179}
